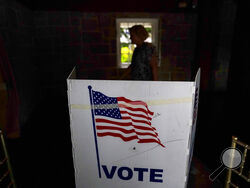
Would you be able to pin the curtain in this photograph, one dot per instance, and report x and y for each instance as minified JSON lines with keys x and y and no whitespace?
{"x":10,"y":103}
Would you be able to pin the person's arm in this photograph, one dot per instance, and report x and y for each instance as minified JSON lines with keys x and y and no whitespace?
{"x":153,"y":64}
{"x":126,"y":73}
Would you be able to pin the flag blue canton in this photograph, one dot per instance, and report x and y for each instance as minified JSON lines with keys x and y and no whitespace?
{"x":106,"y":106}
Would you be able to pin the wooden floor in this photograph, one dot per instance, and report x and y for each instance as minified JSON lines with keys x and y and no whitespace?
{"x":199,"y":176}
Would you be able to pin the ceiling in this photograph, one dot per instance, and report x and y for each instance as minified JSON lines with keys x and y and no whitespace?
{"x":103,"y":5}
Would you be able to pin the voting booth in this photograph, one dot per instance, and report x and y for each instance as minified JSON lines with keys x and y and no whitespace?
{"x":137,"y":134}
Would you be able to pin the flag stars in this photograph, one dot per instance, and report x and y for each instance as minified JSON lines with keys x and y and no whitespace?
{"x":106,"y":106}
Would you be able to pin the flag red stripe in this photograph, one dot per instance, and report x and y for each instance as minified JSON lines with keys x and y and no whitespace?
{"x":136,"y":121}
{"x":135,"y":115}
{"x":99,"y":120}
{"x":126,"y":139}
{"x":150,"y":141}
{"x":99,"y":127}
{"x":135,"y":109}
{"x":134,"y":103}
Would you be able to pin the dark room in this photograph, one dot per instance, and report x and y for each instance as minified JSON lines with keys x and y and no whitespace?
{"x":42,"y":41}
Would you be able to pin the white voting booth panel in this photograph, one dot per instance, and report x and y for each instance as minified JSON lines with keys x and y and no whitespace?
{"x":132,"y":134}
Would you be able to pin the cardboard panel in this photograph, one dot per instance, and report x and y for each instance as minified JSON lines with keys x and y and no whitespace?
{"x":131,"y":133}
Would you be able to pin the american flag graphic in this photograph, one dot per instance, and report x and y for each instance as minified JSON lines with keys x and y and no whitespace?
{"x":123,"y":118}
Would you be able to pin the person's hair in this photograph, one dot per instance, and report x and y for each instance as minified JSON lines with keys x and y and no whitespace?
{"x":139,"y":31}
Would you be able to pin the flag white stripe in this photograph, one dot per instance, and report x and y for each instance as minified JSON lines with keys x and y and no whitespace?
{"x":135,"y":112}
{"x":136,"y":108}
{"x":126,"y":135}
{"x":134,"y":121}
{"x":122,"y":123}
{"x":127,"y":128}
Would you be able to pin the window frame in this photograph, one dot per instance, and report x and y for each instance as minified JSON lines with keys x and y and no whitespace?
{"x":155,"y":24}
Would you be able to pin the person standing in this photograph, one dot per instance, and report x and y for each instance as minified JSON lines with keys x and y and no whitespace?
{"x":144,"y":59}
